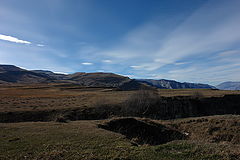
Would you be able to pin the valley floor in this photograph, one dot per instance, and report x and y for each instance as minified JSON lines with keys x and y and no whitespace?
{"x":208,"y":138}
{"x":61,"y":96}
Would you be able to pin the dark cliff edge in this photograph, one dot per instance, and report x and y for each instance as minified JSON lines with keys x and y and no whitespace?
{"x":164,"y":108}
{"x":182,"y":107}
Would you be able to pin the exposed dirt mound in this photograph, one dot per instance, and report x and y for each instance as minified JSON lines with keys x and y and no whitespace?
{"x":143,"y":132}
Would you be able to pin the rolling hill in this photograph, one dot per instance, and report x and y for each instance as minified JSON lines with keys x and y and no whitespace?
{"x":13,"y":74}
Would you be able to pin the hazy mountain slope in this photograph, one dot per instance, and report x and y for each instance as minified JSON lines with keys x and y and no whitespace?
{"x":13,"y":74}
{"x":5,"y":68}
{"x":170,"y":84}
{"x":229,"y":86}
{"x":98,"y":79}
{"x":51,"y":74}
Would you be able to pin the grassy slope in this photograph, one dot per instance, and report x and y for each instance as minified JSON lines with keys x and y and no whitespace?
{"x":83,"y":140}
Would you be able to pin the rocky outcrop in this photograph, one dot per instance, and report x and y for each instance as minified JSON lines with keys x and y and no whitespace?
{"x":170,"y":84}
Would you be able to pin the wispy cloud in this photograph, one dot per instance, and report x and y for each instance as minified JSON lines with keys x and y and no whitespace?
{"x":213,"y":75}
{"x":100,"y":70}
{"x":107,"y":61}
{"x":87,"y":63}
{"x":136,"y":67}
{"x":13,"y":39}
{"x":197,"y":34}
{"x":180,"y":63}
{"x":40,"y":45}
{"x":229,"y":53}
{"x":202,"y":46}
{"x":152,"y":48}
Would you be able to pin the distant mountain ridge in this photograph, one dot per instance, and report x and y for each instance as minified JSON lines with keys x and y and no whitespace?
{"x":229,"y":86}
{"x":51,"y":74}
{"x":13,"y":74}
{"x":4,"y":68}
{"x":171,"y":84}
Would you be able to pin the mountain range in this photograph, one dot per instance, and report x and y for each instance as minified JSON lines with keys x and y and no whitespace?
{"x":229,"y":86}
{"x":170,"y":84}
{"x":10,"y":74}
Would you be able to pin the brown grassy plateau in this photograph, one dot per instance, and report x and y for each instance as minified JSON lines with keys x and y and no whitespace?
{"x":44,"y":97}
{"x":208,"y":138}
{"x":58,"y":96}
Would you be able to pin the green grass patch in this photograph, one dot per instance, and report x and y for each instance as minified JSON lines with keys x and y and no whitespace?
{"x":83,"y":140}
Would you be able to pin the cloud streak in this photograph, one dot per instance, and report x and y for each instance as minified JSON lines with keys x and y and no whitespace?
{"x":207,"y":31}
{"x":199,"y":33}
{"x":200,"y":46}
{"x":87,"y":63}
{"x":106,"y":61}
{"x":40,"y":45}
{"x":13,"y":39}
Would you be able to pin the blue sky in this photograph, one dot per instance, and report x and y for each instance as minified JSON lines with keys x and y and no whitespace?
{"x":184,"y":40}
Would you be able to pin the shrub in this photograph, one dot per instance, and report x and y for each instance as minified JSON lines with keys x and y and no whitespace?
{"x":197,"y":94}
{"x":61,"y":118}
{"x":140,"y":103}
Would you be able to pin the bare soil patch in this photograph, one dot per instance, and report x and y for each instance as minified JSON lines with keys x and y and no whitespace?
{"x":143,"y":132}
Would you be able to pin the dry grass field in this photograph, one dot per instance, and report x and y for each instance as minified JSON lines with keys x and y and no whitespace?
{"x":207,"y":138}
{"x":59,"y":96}
{"x":195,"y":92}
{"x":44,"y":97}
